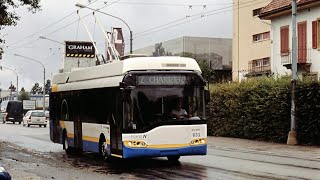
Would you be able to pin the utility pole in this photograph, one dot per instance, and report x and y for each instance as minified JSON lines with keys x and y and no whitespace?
{"x":239,"y":41}
{"x":44,"y":78}
{"x":292,"y":136}
{"x":11,"y":90}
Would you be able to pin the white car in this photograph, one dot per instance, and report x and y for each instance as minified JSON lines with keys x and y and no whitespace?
{"x":35,"y":117}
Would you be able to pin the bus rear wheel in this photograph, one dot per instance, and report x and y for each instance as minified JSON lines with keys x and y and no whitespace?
{"x":173,"y":158}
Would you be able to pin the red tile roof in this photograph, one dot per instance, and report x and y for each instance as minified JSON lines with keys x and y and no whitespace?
{"x":276,"y":6}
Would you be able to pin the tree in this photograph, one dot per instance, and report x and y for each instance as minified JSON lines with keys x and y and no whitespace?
{"x":12,"y":88}
{"x":36,"y":89}
{"x":22,"y":90}
{"x":159,"y":50}
{"x":23,"y":95}
{"x":8,"y":16}
{"x":207,"y":72}
{"x":47,"y":87}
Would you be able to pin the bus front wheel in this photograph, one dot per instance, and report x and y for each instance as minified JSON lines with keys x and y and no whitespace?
{"x":173,"y":158}
{"x":103,"y":148}
{"x":66,"y":144}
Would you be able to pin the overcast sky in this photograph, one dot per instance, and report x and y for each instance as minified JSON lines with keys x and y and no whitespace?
{"x":140,"y":15}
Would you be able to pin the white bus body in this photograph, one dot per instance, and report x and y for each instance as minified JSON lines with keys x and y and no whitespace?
{"x":107,"y":106}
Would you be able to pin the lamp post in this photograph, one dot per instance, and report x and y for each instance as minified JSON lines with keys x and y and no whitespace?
{"x":17,"y":93}
{"x":44,"y":77}
{"x":97,"y":10}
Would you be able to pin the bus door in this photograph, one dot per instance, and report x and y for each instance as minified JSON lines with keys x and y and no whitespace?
{"x":116,"y":139}
{"x":116,"y":130}
{"x":78,"y":144}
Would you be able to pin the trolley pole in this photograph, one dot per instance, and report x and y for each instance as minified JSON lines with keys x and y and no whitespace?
{"x":292,"y":136}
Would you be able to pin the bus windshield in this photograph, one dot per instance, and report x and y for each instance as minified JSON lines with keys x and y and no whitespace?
{"x":152,"y":105}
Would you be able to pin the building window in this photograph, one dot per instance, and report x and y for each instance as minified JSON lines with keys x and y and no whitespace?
{"x":261,"y":36}
{"x":284,"y":38}
{"x":257,"y":37}
{"x":261,"y":62}
{"x":256,"y":12}
{"x":314,"y":34}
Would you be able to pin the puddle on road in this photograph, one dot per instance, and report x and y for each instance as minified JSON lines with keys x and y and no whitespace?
{"x":138,"y":168}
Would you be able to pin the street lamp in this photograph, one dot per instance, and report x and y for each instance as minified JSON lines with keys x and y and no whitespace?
{"x":97,"y":10}
{"x":44,"y":77}
{"x":1,"y":67}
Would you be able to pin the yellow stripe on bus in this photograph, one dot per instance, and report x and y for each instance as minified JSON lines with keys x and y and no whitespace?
{"x":92,"y":139}
{"x":62,"y":124}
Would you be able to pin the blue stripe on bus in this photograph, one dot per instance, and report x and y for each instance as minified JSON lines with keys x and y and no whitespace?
{"x":148,"y":152}
{"x":90,"y":146}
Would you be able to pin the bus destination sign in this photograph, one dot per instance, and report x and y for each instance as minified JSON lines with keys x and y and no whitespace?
{"x":162,"y":80}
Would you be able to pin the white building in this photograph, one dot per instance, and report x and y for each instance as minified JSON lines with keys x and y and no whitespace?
{"x":308,"y":32}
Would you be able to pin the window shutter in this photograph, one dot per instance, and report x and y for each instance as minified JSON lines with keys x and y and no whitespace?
{"x":314,"y":34}
{"x":287,"y":40}
{"x":284,"y":38}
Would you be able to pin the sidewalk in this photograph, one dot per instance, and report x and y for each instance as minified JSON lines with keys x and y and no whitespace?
{"x":306,"y":152}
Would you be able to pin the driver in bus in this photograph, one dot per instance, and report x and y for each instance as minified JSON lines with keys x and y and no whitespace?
{"x":178,"y":112}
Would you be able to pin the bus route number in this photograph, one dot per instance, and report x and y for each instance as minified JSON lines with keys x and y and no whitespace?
{"x":196,"y":134}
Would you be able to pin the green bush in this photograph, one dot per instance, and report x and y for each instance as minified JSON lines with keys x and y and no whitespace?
{"x":259,"y":109}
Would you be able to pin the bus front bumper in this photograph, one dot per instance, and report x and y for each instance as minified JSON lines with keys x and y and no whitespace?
{"x":129,"y":152}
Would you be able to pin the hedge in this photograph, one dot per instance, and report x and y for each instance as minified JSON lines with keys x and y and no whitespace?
{"x":259,"y":109}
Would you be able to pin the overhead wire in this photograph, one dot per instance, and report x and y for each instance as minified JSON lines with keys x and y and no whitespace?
{"x":170,"y":4}
{"x":47,"y":27}
{"x":202,"y":15}
{"x":184,"y":18}
{"x":14,"y":48}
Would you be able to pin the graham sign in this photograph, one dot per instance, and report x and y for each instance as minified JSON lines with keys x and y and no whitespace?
{"x":80,"y":49}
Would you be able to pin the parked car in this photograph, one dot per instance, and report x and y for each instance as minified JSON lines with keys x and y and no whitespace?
{"x":35,"y":117}
{"x":4,"y":175}
{"x":12,"y":111}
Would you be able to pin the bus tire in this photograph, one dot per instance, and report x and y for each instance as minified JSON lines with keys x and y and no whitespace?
{"x":102,"y":148}
{"x":45,"y":126}
{"x":66,"y":144}
{"x":173,"y":158}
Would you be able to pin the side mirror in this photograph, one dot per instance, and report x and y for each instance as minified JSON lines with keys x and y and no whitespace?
{"x":206,"y":96}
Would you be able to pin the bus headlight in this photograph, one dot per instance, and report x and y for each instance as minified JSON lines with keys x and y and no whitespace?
{"x":135,"y":144}
{"x":199,"y":141}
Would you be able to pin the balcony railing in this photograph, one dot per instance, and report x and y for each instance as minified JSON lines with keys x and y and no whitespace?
{"x":255,"y":69}
{"x":304,"y":57}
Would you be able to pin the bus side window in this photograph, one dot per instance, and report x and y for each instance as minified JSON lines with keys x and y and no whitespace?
{"x":64,"y":111}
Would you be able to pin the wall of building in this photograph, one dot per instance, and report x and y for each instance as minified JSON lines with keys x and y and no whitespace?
{"x":308,"y":15}
{"x":203,"y":45}
{"x":244,"y":49}
{"x":175,"y":46}
{"x":208,"y":48}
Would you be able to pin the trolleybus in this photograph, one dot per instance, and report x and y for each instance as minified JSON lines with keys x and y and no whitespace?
{"x":124,"y":108}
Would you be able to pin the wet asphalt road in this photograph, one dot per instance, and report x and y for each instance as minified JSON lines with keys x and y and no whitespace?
{"x":28,"y":153}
